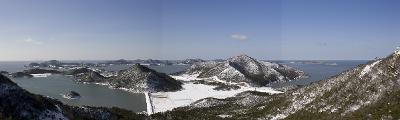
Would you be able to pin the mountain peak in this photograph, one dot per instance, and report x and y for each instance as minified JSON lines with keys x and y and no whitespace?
{"x":397,"y":51}
{"x":242,"y":57}
{"x":139,"y":67}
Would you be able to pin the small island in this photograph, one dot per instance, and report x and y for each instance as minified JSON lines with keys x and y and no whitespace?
{"x":21,"y":75}
{"x":72,"y":95}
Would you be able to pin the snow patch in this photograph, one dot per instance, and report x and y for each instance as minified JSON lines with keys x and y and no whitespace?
{"x":185,"y":77}
{"x":224,"y":116}
{"x":368,"y":68}
{"x":164,"y":101}
{"x":353,"y":108}
{"x":41,"y":75}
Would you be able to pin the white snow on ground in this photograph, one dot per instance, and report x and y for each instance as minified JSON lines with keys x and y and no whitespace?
{"x":164,"y":101}
{"x":185,"y":77}
{"x":278,"y":117}
{"x":150,"y":109}
{"x":368,"y":68}
{"x":354,"y":108}
{"x":224,"y":116}
{"x":41,"y":75}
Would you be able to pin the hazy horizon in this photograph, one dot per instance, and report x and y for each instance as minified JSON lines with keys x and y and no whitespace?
{"x":91,"y":60}
{"x":206,"y":29}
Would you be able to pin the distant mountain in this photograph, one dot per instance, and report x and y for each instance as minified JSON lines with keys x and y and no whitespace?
{"x":243,"y":68}
{"x":118,"y":62}
{"x":41,"y":71}
{"x":18,"y":104}
{"x":55,"y":64}
{"x":29,"y":73}
{"x":370,"y":91}
{"x":192,"y":61}
{"x":140,"y":78}
{"x":147,"y":62}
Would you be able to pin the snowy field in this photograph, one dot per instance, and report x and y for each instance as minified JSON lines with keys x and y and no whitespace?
{"x":41,"y":75}
{"x":164,"y":101}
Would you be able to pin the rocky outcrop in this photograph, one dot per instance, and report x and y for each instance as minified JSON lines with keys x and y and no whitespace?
{"x":245,"y":69}
{"x":139,"y":78}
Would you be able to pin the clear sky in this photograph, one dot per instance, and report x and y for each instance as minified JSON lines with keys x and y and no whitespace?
{"x":208,"y":29}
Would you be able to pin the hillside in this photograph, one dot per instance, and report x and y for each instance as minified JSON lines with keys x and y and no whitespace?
{"x":19,"y":104}
{"x":370,"y":91}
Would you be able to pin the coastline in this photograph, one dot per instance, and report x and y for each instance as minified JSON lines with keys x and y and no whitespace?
{"x":164,"y":101}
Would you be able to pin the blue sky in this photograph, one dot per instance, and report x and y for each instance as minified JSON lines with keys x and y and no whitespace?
{"x":208,"y":29}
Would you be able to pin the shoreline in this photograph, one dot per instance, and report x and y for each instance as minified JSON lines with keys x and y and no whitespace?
{"x":164,"y":101}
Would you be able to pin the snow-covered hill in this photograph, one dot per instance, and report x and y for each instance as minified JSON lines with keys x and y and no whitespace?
{"x":243,"y":68}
